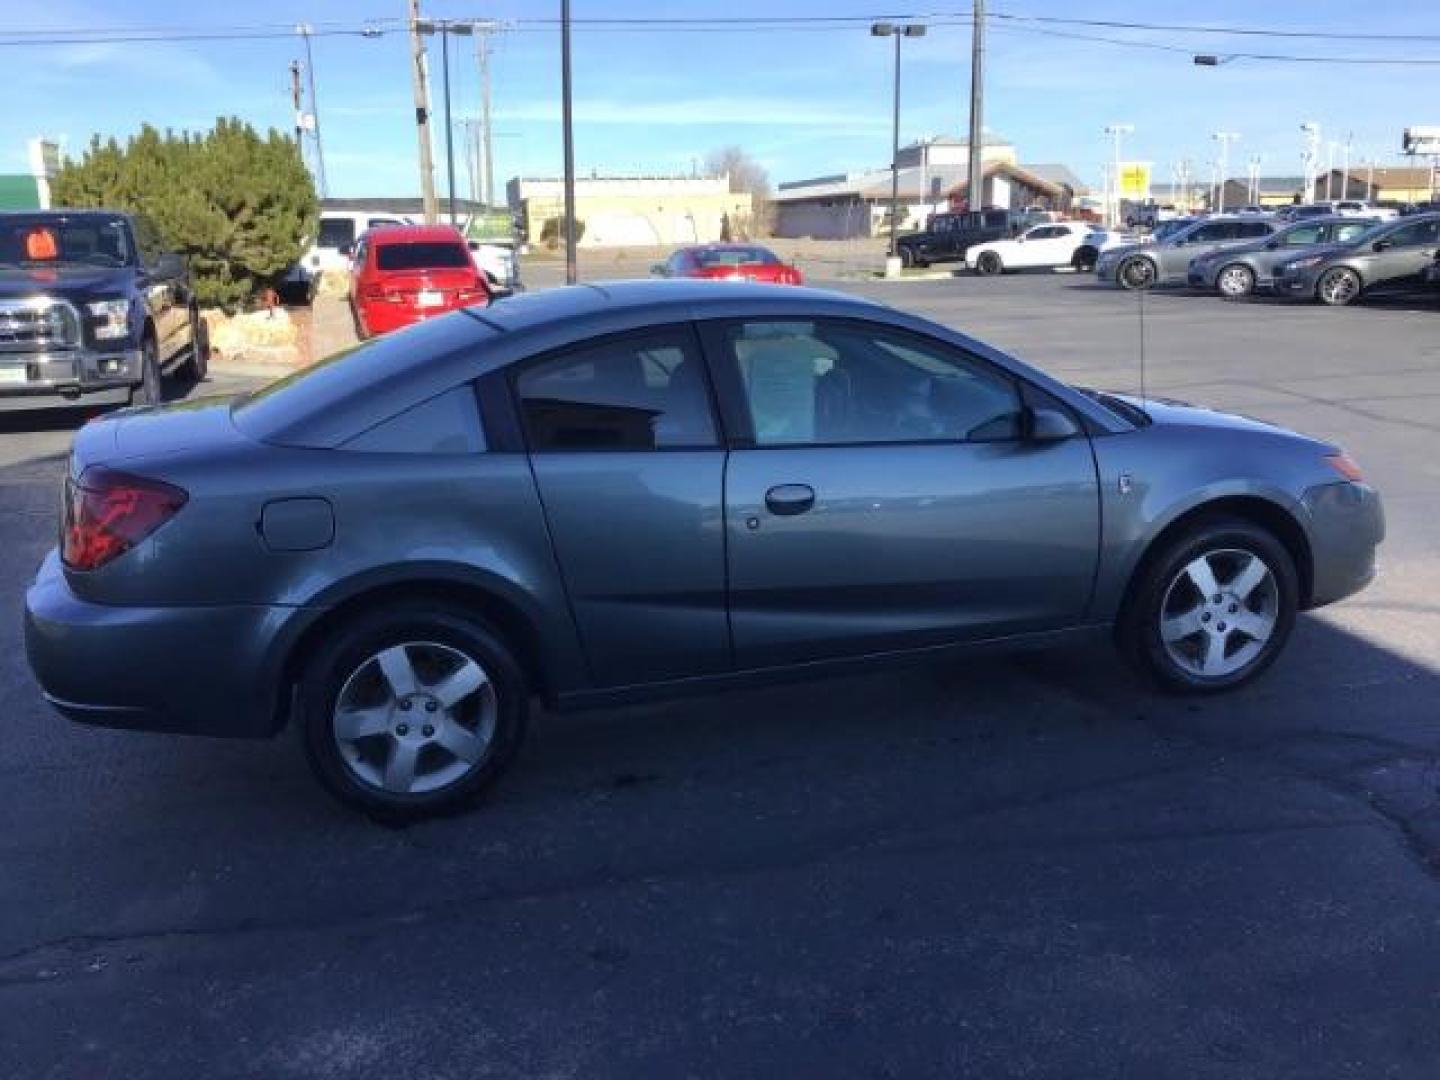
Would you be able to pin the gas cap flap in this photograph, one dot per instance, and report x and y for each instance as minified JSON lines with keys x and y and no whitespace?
{"x":305,"y":524}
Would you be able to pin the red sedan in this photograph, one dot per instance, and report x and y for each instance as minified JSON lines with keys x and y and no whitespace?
{"x":749,"y":262}
{"x":403,"y":274}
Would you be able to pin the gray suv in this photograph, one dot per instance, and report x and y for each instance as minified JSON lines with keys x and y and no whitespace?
{"x":1239,"y":271}
{"x":1167,"y":262}
{"x":1392,"y":253}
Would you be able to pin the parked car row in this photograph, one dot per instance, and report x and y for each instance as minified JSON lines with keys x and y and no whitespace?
{"x":1333,"y":258}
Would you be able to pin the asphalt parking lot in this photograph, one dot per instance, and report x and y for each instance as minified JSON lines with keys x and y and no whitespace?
{"x":1014,"y":867}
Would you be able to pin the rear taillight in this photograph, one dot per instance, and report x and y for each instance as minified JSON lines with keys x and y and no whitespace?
{"x":107,"y":513}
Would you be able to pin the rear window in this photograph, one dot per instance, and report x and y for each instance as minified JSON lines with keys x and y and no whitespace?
{"x":736,"y":257}
{"x":422,"y":255}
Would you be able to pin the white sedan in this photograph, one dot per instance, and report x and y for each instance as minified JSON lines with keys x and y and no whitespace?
{"x":1052,"y":244}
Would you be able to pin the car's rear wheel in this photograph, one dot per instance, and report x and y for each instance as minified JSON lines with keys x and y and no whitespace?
{"x":1213,"y":609}
{"x":412,"y":710}
{"x":1136,"y":272}
{"x":150,"y":390}
{"x":989,"y":264}
{"x":1338,"y":286}
{"x":1235,"y":281}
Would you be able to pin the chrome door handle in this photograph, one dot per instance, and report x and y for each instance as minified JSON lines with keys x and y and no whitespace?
{"x":787,"y":500}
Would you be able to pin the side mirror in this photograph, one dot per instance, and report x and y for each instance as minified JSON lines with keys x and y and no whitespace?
{"x":1381,"y":244}
{"x":168,"y":265}
{"x":1048,"y":425}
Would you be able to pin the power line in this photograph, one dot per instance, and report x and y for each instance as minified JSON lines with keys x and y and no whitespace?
{"x":1194,"y":28}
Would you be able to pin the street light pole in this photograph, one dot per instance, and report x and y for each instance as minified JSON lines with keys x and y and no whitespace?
{"x":1311,"y":156}
{"x":449,"y":124}
{"x":568,"y":135}
{"x":1224,"y":138}
{"x":975,"y":161}
{"x":1345,"y":168}
{"x":897,"y":31}
{"x":1116,"y":131}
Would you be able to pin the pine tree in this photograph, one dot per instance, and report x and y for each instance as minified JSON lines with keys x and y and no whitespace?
{"x":239,"y":207}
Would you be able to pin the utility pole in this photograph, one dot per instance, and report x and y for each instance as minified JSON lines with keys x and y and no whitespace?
{"x":1329,"y":170}
{"x":482,"y":57}
{"x":568,"y":137}
{"x":976,"y":181}
{"x":449,"y":124}
{"x":1311,"y":156}
{"x":295,"y":101}
{"x":1116,"y":132}
{"x":304,"y":30}
{"x":422,"y":114}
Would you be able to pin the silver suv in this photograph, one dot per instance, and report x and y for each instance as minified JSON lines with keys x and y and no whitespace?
{"x":1391,"y":253}
{"x":1168,"y":261}
{"x":1239,"y":271}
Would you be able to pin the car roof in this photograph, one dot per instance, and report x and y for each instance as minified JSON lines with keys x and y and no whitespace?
{"x":386,"y":235}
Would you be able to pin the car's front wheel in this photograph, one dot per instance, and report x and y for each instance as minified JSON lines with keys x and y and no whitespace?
{"x":989,"y":264}
{"x":1338,"y":286}
{"x":1213,"y":609}
{"x":1084,"y":259}
{"x":411,"y":710}
{"x":1235,"y":281}
{"x":1136,"y":272}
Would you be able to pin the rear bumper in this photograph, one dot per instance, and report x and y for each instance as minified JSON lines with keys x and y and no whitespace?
{"x":195,"y":670}
{"x":67,"y":379}
{"x":1347,"y":525}
{"x":383,"y":318}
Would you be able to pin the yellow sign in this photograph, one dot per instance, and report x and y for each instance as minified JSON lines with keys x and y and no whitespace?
{"x":1134,"y":179}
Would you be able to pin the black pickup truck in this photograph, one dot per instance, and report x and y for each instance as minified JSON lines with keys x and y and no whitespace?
{"x":946,"y":237}
{"x":92,"y":312}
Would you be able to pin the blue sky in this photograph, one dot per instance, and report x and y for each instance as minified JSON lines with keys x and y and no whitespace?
{"x":804,"y":103}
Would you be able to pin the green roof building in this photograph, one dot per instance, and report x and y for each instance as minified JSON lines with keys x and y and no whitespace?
{"x":20,"y":193}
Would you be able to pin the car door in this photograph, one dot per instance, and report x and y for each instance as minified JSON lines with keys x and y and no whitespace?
{"x":1043,"y":246}
{"x":1403,"y":254}
{"x":880,"y":495}
{"x":629,"y":464}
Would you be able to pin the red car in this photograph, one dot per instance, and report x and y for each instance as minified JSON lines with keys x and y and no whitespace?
{"x":749,"y":262}
{"x":403,"y":274}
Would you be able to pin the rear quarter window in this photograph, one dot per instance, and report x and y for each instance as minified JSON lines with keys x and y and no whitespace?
{"x":448,"y":423}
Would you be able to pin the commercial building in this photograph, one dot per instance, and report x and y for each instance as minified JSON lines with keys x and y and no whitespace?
{"x":31,"y":190}
{"x":1408,"y":184}
{"x":933,"y":175}
{"x":614,"y":211}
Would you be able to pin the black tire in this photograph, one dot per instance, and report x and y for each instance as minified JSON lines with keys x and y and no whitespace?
{"x":989,"y":264}
{"x":348,"y":650}
{"x":1136,"y":272}
{"x":1164,"y":592}
{"x":907,"y":260}
{"x":1338,"y":287}
{"x":197,"y":367}
{"x":151,"y":390}
{"x":1234,"y":281}
{"x":1084,"y":259}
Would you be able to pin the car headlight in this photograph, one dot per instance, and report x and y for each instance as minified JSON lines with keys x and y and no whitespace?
{"x":1305,"y":263}
{"x":112,"y":318}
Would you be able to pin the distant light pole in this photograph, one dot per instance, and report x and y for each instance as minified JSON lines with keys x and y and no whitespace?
{"x":897,"y":31}
{"x":1311,"y":156}
{"x":1345,"y":168}
{"x":446,"y":27}
{"x":1224,"y":138}
{"x":1116,"y":132}
{"x":1330,"y":169}
{"x":567,"y":126}
{"x":1254,"y":179}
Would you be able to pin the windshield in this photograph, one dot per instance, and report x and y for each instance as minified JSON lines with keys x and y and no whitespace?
{"x":734,"y":256}
{"x":59,"y":240}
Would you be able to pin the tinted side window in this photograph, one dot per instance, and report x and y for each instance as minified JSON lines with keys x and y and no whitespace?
{"x":1420,"y":232}
{"x":448,"y":423}
{"x":336,"y":232}
{"x":640,"y":392}
{"x":818,"y":383}
{"x":1252,"y":230}
{"x":1304,"y":236}
{"x":1208,"y":233}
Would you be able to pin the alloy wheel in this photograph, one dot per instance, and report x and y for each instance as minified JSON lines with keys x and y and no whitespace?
{"x":415,"y":718}
{"x":1235,"y":280}
{"x":1219,"y":612}
{"x":1339,"y":287}
{"x":1138,"y":273}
